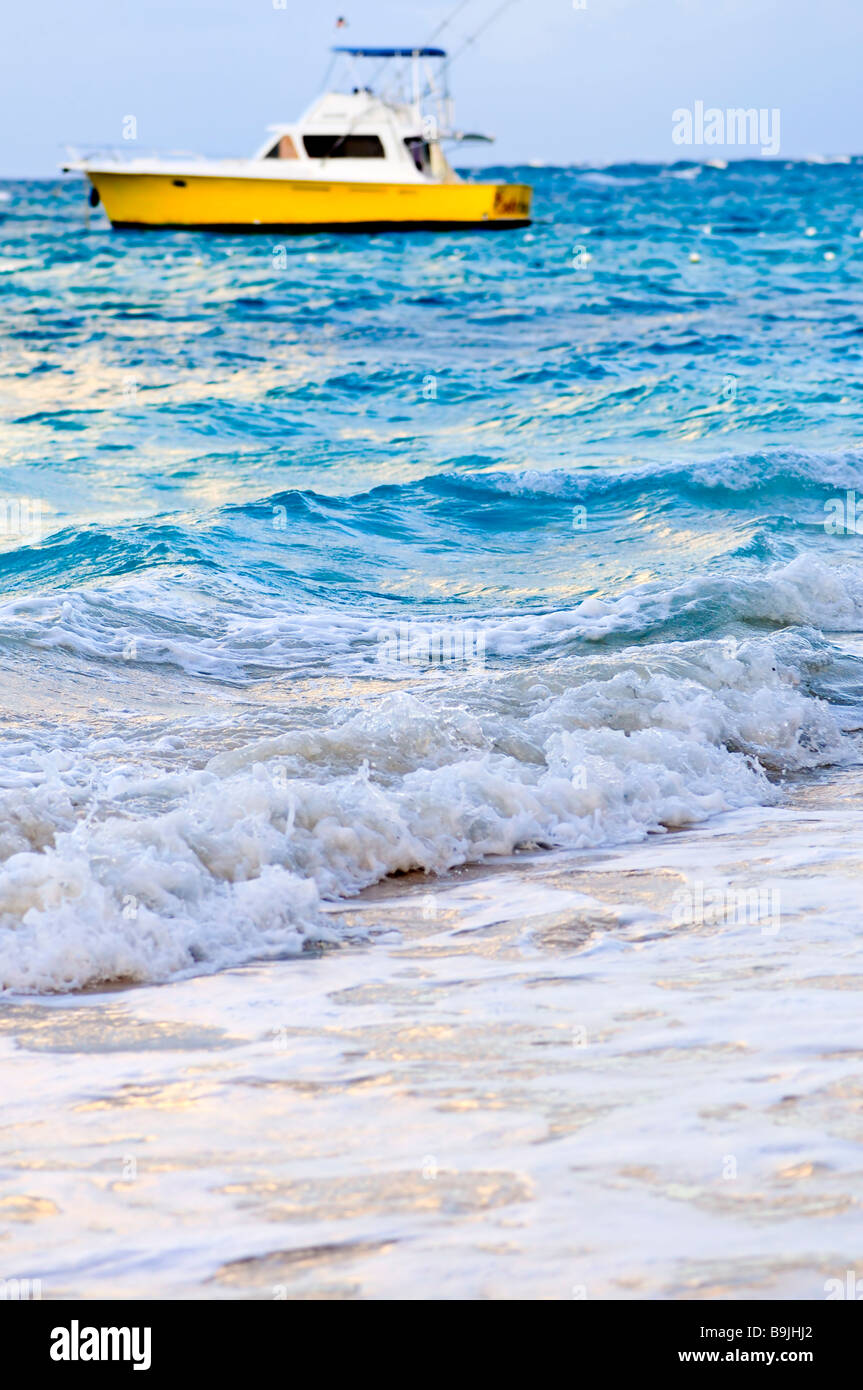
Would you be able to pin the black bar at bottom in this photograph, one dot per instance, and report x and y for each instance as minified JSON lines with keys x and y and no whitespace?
{"x":244,"y":1337}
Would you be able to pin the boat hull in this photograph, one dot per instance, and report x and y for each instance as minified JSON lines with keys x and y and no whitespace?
{"x":195,"y":202}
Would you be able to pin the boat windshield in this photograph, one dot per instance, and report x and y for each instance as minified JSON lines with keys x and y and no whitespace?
{"x":347,"y":146}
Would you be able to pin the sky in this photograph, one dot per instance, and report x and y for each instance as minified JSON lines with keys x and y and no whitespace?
{"x":556,"y":81}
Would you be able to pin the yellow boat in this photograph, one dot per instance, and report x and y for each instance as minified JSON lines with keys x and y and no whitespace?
{"x":358,"y":160}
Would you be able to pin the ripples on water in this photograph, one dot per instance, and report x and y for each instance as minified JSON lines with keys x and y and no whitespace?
{"x":590,"y":461}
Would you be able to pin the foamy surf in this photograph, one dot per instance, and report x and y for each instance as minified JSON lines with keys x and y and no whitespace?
{"x":145,"y":873}
{"x":246,"y":634}
{"x":290,"y":607}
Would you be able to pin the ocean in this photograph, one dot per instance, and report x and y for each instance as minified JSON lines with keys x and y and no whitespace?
{"x":430,"y":755}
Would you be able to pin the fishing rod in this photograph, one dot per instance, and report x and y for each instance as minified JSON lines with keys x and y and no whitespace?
{"x":448,"y":21}
{"x":471,"y":39}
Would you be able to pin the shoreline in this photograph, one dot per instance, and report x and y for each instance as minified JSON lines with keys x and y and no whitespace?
{"x":534,"y":1089}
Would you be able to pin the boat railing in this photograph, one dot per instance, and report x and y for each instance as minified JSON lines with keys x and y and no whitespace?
{"x":121,"y":154}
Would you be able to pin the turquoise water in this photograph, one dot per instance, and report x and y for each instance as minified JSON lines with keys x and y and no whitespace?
{"x":332,"y":557}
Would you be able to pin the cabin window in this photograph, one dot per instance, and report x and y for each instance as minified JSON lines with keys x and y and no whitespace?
{"x":419,"y":151}
{"x":284,"y":148}
{"x":343,"y":146}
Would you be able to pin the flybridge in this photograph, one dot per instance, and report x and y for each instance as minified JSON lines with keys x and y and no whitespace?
{"x":399,"y":75}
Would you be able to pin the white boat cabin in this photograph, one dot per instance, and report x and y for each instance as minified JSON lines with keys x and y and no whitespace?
{"x":389,"y":135}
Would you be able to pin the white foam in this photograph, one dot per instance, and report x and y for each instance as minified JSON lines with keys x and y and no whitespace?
{"x":842,"y":469}
{"x":160,"y":623}
{"x":149,"y":873}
